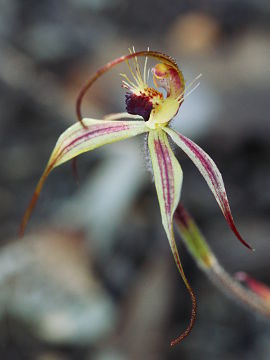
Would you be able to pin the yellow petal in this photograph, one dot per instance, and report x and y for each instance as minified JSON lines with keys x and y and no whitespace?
{"x":77,"y":140}
{"x":168,"y":180}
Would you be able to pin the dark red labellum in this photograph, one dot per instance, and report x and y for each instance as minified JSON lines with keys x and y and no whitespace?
{"x":139,"y":105}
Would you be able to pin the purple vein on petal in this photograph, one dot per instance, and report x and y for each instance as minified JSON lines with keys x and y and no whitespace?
{"x":210,"y":172}
{"x":165,"y":166}
{"x":98,"y":131}
{"x":76,"y":140}
{"x":168,"y":181}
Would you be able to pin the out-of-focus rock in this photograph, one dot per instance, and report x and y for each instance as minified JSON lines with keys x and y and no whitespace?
{"x":46,"y":283}
{"x":144,"y":317}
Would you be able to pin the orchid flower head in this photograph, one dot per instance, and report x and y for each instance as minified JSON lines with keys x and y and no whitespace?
{"x":148,"y":111}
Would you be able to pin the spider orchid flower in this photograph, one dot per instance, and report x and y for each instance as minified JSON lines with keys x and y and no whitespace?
{"x":149,"y":112}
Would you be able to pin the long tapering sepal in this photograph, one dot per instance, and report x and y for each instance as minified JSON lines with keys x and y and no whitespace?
{"x":168,"y":178}
{"x":77,"y":140}
{"x":211,"y":174}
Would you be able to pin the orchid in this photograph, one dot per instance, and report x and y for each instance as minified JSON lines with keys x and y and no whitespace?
{"x":150,"y":112}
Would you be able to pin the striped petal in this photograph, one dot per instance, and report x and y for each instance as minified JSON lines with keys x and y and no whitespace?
{"x":78,"y":139}
{"x":168,"y":181}
{"x":211,"y":174}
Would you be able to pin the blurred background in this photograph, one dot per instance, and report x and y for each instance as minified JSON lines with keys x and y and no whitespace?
{"x":94,"y":278}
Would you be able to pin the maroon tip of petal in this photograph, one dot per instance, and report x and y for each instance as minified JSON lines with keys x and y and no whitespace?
{"x":192,"y":319}
{"x":229,"y":219}
{"x":27,"y":214}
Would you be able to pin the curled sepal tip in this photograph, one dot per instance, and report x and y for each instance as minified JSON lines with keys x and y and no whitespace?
{"x":166,"y":61}
{"x":192,"y":318}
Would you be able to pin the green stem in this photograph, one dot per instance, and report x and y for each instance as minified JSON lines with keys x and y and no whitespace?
{"x":206,"y":260}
